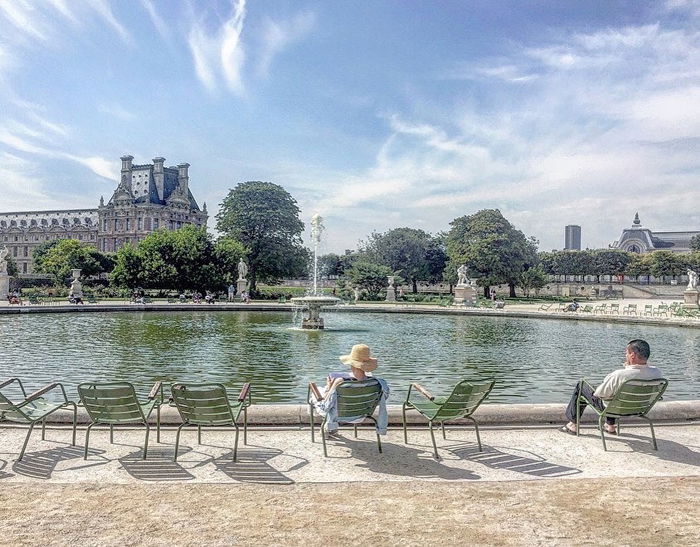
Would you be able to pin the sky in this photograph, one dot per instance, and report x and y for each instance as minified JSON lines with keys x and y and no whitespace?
{"x":375,"y":114}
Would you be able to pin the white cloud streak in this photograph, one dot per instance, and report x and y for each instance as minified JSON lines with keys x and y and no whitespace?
{"x":278,"y":35}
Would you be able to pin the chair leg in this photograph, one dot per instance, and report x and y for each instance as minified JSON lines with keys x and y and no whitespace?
{"x":26,"y":440}
{"x":43,"y":429}
{"x":653,"y":437}
{"x":432,"y":436}
{"x":354,"y":426}
{"x":578,"y":415}
{"x":235,"y":444}
{"x":158,"y":424}
{"x":111,"y":433}
{"x":602,"y":431}
{"x":199,"y":434}
{"x":87,"y":439}
{"x":311,"y":422}
{"x":245,"y":425}
{"x":478,"y":437}
{"x":177,"y":439}
{"x":405,"y":433}
{"x":619,"y":428}
{"x":145,"y":444}
{"x":442,"y":424}
{"x":323,"y":439}
{"x":379,"y":443}
{"x":75,"y":422}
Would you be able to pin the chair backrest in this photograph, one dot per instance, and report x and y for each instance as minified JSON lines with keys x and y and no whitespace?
{"x":464,"y":399}
{"x":202,"y":404}
{"x":111,"y":403}
{"x":358,"y":398}
{"x":9,"y":411}
{"x":636,"y":397}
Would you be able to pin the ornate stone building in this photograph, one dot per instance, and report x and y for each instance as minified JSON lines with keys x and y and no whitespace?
{"x":148,"y":197}
{"x":638,"y":239}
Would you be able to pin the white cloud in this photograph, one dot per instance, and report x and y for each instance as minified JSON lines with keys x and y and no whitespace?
{"x":104,"y":10}
{"x":277,"y":35}
{"x":156,"y":19}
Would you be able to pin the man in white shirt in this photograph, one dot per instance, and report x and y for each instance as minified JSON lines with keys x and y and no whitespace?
{"x":635,"y":367}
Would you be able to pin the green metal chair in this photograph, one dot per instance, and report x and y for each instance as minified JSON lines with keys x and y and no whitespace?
{"x":356,"y":401}
{"x":633,"y":398}
{"x":116,"y":403}
{"x":209,"y":405}
{"x":33,"y":409}
{"x":464,"y":399}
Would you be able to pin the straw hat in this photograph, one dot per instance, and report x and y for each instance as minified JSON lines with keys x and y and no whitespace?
{"x":360,"y":358}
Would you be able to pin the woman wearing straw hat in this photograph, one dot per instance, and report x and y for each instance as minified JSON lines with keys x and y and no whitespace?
{"x":360,"y":362}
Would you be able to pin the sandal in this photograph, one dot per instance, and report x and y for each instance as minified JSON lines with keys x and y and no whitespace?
{"x":565,"y":429}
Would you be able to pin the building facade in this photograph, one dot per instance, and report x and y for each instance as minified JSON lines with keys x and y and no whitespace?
{"x":638,"y":239}
{"x":572,"y":237}
{"x":148,"y":197}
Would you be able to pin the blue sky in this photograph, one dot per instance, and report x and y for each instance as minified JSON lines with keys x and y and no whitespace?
{"x":377,"y":114}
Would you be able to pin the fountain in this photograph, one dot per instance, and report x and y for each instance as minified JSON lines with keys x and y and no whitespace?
{"x":314,"y":302}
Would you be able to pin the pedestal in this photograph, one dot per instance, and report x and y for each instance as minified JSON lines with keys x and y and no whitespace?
{"x":390,"y":294}
{"x":465,"y":295}
{"x":691,"y":299}
{"x":4,"y":286}
{"x":241,"y":287}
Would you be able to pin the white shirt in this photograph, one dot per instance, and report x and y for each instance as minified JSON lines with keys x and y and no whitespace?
{"x":614,"y":380}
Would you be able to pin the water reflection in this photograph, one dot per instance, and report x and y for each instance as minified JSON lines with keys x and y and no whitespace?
{"x":533,"y":360}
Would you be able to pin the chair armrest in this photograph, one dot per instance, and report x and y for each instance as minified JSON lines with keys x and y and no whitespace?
{"x":45,"y":390}
{"x":423,"y":391}
{"x":8,"y":382}
{"x":158,"y":386}
{"x":245,"y":392}
{"x":313,"y":389}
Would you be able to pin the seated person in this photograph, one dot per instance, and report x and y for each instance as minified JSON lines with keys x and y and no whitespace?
{"x":361,"y":365}
{"x":634,"y":367}
{"x":573,"y":306}
{"x":73,"y":299}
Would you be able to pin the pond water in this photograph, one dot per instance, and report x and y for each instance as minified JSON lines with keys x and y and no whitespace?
{"x":533,"y":360}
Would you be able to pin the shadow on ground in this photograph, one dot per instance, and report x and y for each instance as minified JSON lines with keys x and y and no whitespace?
{"x":254,"y":465}
{"x":159,"y":466}
{"x":41,"y":465}
{"x":512,"y":459}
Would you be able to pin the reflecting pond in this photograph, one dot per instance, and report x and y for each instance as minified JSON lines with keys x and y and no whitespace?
{"x":533,"y":360}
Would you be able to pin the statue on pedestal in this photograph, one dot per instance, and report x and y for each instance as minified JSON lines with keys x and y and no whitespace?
{"x":242,"y":270}
{"x":3,"y":263}
{"x":462,"y":275}
{"x":692,"y":279}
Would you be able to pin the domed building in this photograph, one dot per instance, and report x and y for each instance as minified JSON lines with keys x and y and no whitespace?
{"x":638,"y":239}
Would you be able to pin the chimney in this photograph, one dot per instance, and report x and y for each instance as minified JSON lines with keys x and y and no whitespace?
{"x":126,"y":171}
{"x":183,"y":177}
{"x":159,"y":177}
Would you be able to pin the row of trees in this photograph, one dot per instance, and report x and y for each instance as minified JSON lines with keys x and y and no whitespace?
{"x":259,"y":222}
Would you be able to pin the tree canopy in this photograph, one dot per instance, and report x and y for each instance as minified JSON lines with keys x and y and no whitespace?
{"x":695,"y":243}
{"x":184,"y":259}
{"x":264,"y":218}
{"x":493,"y":250}
{"x":57,"y":258}
{"x":370,"y":276}
{"x":413,"y":253}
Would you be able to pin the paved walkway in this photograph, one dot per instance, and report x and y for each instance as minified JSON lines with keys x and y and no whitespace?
{"x":530,"y":485}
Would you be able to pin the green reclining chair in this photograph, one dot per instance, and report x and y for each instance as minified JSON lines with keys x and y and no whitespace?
{"x":116,"y":403}
{"x":356,"y":401}
{"x":209,"y":405}
{"x":633,"y":398}
{"x":34,"y":408}
{"x":464,"y":399}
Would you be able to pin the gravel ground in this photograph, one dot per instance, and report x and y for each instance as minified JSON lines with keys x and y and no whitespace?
{"x":631,"y":511}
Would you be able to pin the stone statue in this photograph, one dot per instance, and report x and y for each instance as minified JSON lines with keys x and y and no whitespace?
{"x":462,"y":275}
{"x":242,"y":270}
{"x":3,"y":263}
{"x":391,"y":281}
{"x":692,"y":280}
{"x":356,"y":293}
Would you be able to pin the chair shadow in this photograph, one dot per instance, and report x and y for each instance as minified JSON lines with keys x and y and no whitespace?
{"x":253,"y":465}
{"x":159,"y":465}
{"x":4,"y":474}
{"x":668,"y":450}
{"x":41,"y":465}
{"x":522,"y":461}
{"x":399,"y":460}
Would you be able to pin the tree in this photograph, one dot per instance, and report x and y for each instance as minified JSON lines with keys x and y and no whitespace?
{"x":370,"y":277}
{"x":414,"y":253}
{"x":59,"y":259}
{"x":695,"y":243}
{"x":611,"y":262}
{"x":532,"y":278}
{"x":128,"y":268}
{"x":494,"y":251}
{"x":638,"y":265}
{"x":264,"y":217}
{"x":12,"y":269}
{"x":41,"y":250}
{"x":666,"y":263}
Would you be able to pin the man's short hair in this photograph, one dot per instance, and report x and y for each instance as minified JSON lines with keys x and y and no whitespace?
{"x":640,"y":347}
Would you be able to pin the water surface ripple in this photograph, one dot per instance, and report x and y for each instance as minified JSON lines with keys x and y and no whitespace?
{"x":533,"y":360}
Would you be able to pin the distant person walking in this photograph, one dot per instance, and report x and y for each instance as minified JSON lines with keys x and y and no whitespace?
{"x":231,"y":292}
